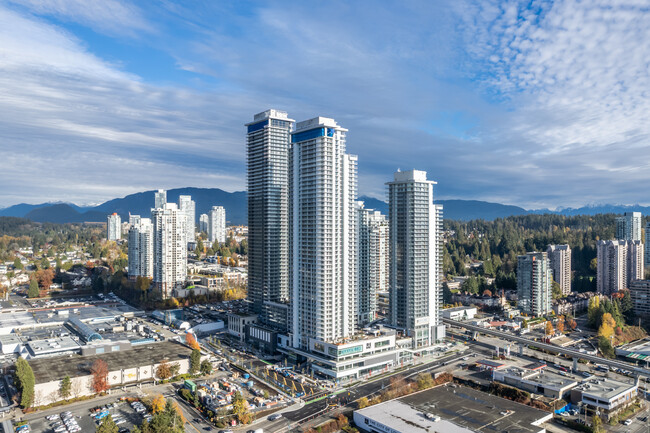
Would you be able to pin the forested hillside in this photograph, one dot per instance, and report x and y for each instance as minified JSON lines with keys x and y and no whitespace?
{"x":497,"y":243}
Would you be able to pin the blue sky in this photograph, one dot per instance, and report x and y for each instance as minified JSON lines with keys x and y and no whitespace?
{"x":535,"y":103}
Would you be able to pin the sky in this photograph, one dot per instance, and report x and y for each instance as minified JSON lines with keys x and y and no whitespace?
{"x":541,"y":104}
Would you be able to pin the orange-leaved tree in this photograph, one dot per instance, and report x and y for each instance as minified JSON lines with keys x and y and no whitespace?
{"x":99,"y":371}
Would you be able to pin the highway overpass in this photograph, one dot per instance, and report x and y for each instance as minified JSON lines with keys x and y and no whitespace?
{"x":551,"y":348}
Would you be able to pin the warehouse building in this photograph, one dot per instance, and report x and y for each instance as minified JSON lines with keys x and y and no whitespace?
{"x":126,"y":367}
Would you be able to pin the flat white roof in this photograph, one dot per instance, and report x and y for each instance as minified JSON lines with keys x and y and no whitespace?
{"x":402,"y":418}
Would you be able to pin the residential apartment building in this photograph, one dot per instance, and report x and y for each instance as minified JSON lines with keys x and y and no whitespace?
{"x":170,"y":249}
{"x":114,"y":227}
{"x":268,"y":141}
{"x":373,"y":258}
{"x":640,"y":294}
{"x":323,"y":232}
{"x":628,"y":226}
{"x":647,"y":244}
{"x":217,"y":224}
{"x":560,"y":258}
{"x":188,"y":207}
{"x":619,"y":263}
{"x":140,"y":248}
{"x":160,"y":199}
{"x":415,"y":258}
{"x":534,"y":279}
{"x":203,"y":223}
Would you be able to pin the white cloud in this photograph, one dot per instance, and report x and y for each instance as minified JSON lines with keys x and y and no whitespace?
{"x":112,"y":17}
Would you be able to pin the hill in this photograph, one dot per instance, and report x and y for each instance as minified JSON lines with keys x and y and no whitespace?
{"x":235,"y":204}
{"x":460,"y":210}
{"x":137,"y":204}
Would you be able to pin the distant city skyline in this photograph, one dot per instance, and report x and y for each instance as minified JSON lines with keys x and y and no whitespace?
{"x":539,"y":106}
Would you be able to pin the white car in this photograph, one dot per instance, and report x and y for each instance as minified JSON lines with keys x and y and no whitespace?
{"x":627,"y":422}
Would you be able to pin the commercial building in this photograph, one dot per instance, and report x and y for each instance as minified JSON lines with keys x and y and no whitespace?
{"x":415,"y":258}
{"x":477,"y":411}
{"x":170,"y":249}
{"x":628,"y":226}
{"x":217,"y":224}
{"x":459,"y":313}
{"x":375,"y":350}
{"x":640,"y":294}
{"x":188,"y":207}
{"x":560,"y":258}
{"x":323,"y":191}
{"x":203,"y":223}
{"x":139,"y":364}
{"x":237,"y":323}
{"x":534,"y":284}
{"x":619,"y":263}
{"x":160,"y":199}
{"x":114,"y":227}
{"x":604,"y":395}
{"x":140,"y":248}
{"x":397,"y":417}
{"x":373,"y":259}
{"x":268,"y":141}
{"x":537,"y":381}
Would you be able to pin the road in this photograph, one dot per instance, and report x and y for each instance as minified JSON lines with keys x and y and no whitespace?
{"x":365,"y":389}
{"x":551,"y":348}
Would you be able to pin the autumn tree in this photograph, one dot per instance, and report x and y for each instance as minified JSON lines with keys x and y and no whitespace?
{"x":65,"y":387}
{"x":607,"y":326}
{"x":45,"y":278}
{"x":560,"y":325}
{"x":487,"y":292}
{"x":240,"y":408}
{"x":573,"y":324}
{"x":99,"y":370}
{"x":158,"y":404}
{"x":190,"y":339}
{"x":363,"y":402}
{"x":164,"y":370}
{"x":549,"y":328}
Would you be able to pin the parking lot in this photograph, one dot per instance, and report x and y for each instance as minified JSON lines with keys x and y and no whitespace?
{"x":122,"y":413}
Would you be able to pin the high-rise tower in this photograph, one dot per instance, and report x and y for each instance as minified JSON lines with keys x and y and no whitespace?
{"x":628,"y":226}
{"x":323,"y":191}
{"x":534,"y":279}
{"x":188,"y":207}
{"x":373,"y":259}
{"x":268,"y":140}
{"x":170,"y":249}
{"x":415,"y":251}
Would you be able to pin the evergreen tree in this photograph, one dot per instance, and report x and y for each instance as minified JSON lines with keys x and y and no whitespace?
{"x":195,"y":361}
{"x":33,"y":291}
{"x":107,"y":425}
{"x":25,"y":382}
{"x":64,"y":387}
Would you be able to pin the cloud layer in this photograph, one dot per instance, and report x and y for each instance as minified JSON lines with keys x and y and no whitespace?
{"x":540,"y":104}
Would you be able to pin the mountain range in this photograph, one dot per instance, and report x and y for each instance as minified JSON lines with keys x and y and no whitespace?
{"x":235,"y":205}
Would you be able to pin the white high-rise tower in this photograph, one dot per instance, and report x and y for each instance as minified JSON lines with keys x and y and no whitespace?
{"x":323,"y":191}
{"x":140,"y":248}
{"x":373,"y":254}
{"x":160,"y":199}
{"x":217,"y":224}
{"x":416,"y":256}
{"x":188,"y":207}
{"x":170,"y":249}
{"x":114,"y":227}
